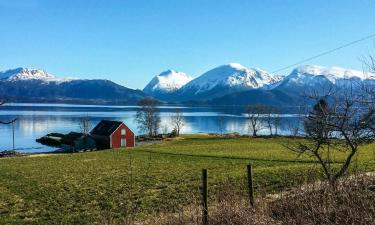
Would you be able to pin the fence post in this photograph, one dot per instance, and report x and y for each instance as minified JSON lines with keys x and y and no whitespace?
{"x":205,"y":197}
{"x":250,"y":184}
{"x":14,"y":148}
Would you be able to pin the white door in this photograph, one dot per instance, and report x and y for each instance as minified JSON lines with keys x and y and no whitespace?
{"x":123,"y":142}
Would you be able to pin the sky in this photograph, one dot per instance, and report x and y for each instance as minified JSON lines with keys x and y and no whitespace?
{"x":131,"y":41}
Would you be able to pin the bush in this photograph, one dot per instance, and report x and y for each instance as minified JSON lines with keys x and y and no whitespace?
{"x":349,"y":202}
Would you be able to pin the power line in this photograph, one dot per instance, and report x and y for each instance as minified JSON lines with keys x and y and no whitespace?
{"x":325,"y":53}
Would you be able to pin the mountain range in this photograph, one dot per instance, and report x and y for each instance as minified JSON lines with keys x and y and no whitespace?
{"x":230,"y":84}
{"x":234,"y":84}
{"x":30,"y":85}
{"x":317,"y":78}
{"x":224,"y":80}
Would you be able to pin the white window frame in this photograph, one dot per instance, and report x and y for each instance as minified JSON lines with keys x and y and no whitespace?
{"x":123,"y":131}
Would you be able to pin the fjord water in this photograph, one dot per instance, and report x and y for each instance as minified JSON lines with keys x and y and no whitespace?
{"x":37,"y":120}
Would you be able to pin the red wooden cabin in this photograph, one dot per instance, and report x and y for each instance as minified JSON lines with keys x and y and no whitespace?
{"x":112,"y":134}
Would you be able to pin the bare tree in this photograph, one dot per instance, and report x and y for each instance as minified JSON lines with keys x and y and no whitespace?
{"x":272,"y":119}
{"x":254,"y":116}
{"x":369,"y":63}
{"x":85,"y":125}
{"x":221,"y":124}
{"x":165,"y":129}
{"x":341,"y":120}
{"x":293,"y":127}
{"x":147,"y":117}
{"x":268,"y":114}
{"x":277,"y":119}
{"x":178,"y":121}
{"x":369,"y":70}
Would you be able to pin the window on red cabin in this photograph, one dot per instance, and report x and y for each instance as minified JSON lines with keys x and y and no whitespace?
{"x":123,"y":132}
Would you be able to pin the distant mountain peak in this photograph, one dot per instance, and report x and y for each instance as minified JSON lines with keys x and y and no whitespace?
{"x":22,"y":73}
{"x":236,"y":66}
{"x":168,"y":72}
{"x":24,"y":84}
{"x":319,"y":78}
{"x":332,"y":73}
{"x":167,"y":82}
{"x":228,"y":78}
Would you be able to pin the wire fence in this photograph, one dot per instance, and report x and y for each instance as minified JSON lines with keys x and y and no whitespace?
{"x":174,"y":182}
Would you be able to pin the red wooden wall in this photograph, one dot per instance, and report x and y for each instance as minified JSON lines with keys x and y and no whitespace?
{"x":116,"y":137}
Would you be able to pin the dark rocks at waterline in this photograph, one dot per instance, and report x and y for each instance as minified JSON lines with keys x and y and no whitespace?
{"x":52,"y":139}
{"x":10,"y":153}
{"x":71,"y":142}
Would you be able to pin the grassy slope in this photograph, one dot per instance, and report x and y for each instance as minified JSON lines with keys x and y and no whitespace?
{"x":88,"y":187}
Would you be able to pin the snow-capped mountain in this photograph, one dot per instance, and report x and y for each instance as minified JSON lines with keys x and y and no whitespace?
{"x":311,"y":77}
{"x":30,"y":85}
{"x":234,"y":84}
{"x":166,"y":84}
{"x":332,"y":73}
{"x":231,"y":84}
{"x":30,"y":74}
{"x":227,"y":79}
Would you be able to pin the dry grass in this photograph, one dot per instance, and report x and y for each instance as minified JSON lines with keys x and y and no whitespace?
{"x":350,"y":202}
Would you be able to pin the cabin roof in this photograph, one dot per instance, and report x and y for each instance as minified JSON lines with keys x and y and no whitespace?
{"x":105,"y":127}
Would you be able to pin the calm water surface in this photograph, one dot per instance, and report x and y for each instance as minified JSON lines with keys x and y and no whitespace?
{"x":37,"y":120}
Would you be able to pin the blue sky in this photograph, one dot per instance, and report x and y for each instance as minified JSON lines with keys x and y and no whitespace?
{"x":130,"y":41}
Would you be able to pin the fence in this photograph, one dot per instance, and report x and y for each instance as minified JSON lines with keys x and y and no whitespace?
{"x":175,"y":184}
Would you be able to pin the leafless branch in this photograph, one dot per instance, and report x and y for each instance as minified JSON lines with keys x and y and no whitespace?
{"x":339,"y":121}
{"x":147,"y":117}
{"x":178,"y":121}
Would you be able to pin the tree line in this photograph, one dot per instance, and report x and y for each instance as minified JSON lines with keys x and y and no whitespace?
{"x":149,"y":122}
{"x":258,"y":117}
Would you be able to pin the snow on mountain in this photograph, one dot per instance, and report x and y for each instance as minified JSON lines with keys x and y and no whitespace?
{"x":311,"y":74}
{"x":232,"y":75}
{"x":226,"y":79}
{"x":167,"y":82}
{"x":331,"y":73}
{"x":318,"y":78}
{"x":31,"y":85}
{"x":30,"y":74}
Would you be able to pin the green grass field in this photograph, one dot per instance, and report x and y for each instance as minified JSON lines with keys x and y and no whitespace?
{"x":87,"y":188}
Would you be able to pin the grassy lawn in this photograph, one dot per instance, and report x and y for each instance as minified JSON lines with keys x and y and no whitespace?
{"x":87,"y":188}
